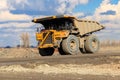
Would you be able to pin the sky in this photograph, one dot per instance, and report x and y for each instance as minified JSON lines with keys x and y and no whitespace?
{"x":16,"y":16}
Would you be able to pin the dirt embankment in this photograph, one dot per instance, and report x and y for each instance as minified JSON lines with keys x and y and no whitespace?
{"x":18,"y":52}
{"x":33,"y":52}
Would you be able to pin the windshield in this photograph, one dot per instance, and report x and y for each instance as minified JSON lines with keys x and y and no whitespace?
{"x":58,"y":24}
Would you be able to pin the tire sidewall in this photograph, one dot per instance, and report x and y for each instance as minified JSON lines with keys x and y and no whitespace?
{"x":46,"y":51}
{"x":66,"y":45}
{"x":88,"y":44}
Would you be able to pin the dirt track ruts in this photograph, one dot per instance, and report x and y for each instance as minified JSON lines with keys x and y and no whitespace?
{"x":98,"y":58}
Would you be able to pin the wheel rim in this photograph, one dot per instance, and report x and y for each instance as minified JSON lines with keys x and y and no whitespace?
{"x":73,"y":45}
{"x":94,"y":44}
{"x":70,"y":45}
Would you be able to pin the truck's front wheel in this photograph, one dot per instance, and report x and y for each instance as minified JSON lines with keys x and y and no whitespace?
{"x":92,"y":44}
{"x":46,"y":51}
{"x":70,"y":45}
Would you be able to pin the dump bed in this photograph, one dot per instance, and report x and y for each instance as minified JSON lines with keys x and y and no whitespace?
{"x":86,"y":26}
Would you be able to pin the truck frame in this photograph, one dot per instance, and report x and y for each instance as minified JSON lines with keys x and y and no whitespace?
{"x":67,"y":33}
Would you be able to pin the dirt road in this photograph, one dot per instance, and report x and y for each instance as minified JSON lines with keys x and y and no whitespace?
{"x":101,"y":66}
{"x":41,"y":76}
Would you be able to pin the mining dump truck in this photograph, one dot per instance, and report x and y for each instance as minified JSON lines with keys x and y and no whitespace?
{"x":67,"y":33}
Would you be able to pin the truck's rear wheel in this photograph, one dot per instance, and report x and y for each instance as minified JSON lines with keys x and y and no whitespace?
{"x":92,"y":44}
{"x":46,"y":51}
{"x":70,"y":45}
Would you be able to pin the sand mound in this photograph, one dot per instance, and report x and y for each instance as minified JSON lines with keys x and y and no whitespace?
{"x":18,"y":53}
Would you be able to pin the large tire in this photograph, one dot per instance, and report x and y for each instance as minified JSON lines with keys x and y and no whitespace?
{"x":70,"y":45}
{"x":61,"y":51}
{"x":92,"y":44}
{"x":46,"y":51}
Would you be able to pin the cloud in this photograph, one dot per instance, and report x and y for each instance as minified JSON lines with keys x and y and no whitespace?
{"x":3,"y":5}
{"x":5,"y":35}
{"x":17,"y":3}
{"x":107,"y":6}
{"x":33,"y":6}
{"x":79,"y":14}
{"x":107,"y":13}
{"x":21,"y":30}
{"x":15,"y":15}
{"x":7,"y":16}
{"x":16,"y":25}
{"x":8,"y":19}
{"x":5,"y":11}
{"x":48,"y":6}
{"x":66,"y":6}
{"x":110,"y":12}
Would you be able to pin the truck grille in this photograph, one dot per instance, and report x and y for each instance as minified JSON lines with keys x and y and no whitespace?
{"x":48,"y":39}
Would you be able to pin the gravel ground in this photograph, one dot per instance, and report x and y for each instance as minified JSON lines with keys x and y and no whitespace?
{"x":61,"y":71}
{"x":33,"y":52}
{"x":86,"y":69}
{"x":109,"y":69}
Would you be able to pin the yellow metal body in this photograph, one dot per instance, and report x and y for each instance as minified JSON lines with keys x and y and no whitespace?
{"x":55,"y":35}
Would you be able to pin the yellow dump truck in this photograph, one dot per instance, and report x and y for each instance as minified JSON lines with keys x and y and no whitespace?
{"x":67,"y":33}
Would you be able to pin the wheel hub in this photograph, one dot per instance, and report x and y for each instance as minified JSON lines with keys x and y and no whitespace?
{"x":73,"y":45}
{"x":94,"y":44}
